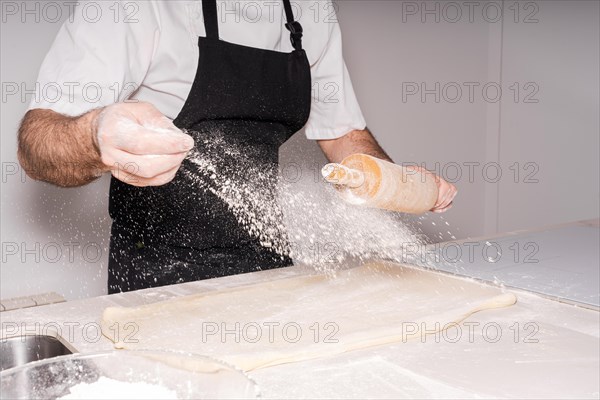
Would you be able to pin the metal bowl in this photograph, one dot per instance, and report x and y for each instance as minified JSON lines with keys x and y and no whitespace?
{"x":185,"y":375}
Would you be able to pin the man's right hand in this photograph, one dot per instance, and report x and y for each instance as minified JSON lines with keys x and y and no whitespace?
{"x":138,"y":144}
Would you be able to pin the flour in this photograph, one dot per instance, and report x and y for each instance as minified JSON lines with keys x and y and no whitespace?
{"x":303,"y":218}
{"x":106,"y":388}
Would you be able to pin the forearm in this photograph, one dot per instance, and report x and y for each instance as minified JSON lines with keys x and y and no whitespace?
{"x":357,"y":141}
{"x":59,"y":149}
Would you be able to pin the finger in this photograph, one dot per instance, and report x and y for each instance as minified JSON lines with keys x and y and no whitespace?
{"x":447,"y":207}
{"x":150,"y":117}
{"x":444,"y":209}
{"x":126,"y":175}
{"x":443,"y":188}
{"x":450,"y":193}
{"x":437,"y":203}
{"x":143,"y":141}
{"x":146,"y":166}
{"x":446,"y":197}
{"x":442,"y":193}
{"x":142,"y":110}
{"x":449,"y":198}
{"x":139,"y":181}
{"x":160,"y":122}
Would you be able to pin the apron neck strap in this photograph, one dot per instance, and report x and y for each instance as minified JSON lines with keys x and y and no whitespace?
{"x":293,"y":26}
{"x":211,"y":22}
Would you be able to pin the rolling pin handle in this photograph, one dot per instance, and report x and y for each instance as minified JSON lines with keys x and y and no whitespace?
{"x":339,"y":174}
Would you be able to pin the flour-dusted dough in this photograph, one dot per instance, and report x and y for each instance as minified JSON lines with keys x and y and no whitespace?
{"x":304,"y":317}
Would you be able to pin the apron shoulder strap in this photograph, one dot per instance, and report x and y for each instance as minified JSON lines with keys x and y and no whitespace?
{"x":211,"y":22}
{"x":293,"y":26}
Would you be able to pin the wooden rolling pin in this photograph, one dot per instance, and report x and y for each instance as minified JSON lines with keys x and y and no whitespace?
{"x":373,"y":182}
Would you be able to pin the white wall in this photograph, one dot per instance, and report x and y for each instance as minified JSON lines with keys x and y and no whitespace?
{"x":53,"y":239}
{"x":560,"y":133}
{"x":398,"y":50}
{"x":385,"y":46}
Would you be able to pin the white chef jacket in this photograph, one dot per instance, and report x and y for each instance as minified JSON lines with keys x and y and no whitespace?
{"x":114,"y":50}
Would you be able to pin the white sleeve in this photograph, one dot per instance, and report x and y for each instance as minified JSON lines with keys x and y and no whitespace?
{"x":334,"y":109}
{"x":99,"y":56}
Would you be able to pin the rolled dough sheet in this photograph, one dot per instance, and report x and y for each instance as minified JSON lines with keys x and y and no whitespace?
{"x":304,"y":317}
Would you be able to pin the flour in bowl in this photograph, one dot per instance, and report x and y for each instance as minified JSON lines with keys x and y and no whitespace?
{"x":106,"y":388}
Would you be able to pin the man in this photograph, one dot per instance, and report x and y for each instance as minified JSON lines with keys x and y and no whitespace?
{"x":217,"y":70}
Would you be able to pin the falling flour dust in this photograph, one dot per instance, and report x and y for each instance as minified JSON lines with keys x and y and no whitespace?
{"x":301,"y":217}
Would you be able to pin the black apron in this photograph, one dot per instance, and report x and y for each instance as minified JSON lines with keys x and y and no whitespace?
{"x":245,"y":98}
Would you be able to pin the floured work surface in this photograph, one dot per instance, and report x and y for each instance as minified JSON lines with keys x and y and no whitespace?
{"x":304,"y":317}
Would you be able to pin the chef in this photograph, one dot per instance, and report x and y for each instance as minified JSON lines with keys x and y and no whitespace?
{"x":133,"y":87}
